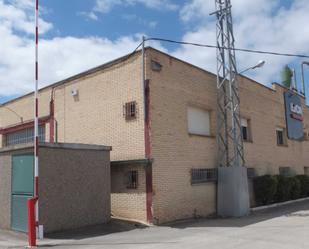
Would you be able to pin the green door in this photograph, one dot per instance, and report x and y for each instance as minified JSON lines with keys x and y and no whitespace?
{"x":22,"y":190}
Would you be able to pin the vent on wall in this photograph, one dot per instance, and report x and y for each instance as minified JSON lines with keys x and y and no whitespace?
{"x":156,"y":66}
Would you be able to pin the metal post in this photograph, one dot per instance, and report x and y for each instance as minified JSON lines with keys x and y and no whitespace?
{"x":303,"y":78}
{"x":143,"y":76}
{"x":294,"y":85}
{"x":36,"y":118}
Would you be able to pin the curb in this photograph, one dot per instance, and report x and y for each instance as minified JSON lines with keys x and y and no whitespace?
{"x":132,"y":221}
{"x":278,"y":204}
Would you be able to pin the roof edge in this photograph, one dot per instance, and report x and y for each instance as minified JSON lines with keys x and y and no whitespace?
{"x":77,"y":76}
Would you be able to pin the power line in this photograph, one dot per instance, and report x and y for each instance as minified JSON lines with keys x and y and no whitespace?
{"x":235,"y":49}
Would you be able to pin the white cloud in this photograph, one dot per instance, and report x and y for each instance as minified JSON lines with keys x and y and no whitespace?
{"x":89,"y":15}
{"x":260,"y":24}
{"x":139,"y":20}
{"x":18,"y":16}
{"x":59,"y":57}
{"x":104,"y":6}
{"x":268,"y":27}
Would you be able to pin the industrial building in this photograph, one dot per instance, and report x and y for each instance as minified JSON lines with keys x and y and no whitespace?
{"x":164,"y":157}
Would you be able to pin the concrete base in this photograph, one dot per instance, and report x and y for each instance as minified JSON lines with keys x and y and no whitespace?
{"x":233,"y":194}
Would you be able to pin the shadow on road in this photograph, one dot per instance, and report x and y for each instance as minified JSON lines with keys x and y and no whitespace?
{"x":300,"y":209}
{"x":114,"y":226}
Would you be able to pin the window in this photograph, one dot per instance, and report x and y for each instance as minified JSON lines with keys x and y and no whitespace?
{"x":306,"y":171}
{"x":132,"y":180}
{"x":130,"y":110}
{"x":198,"y":121}
{"x":245,"y":130}
{"x":251,"y":173}
{"x":203,"y":175}
{"x":281,"y":139}
{"x":156,"y":66}
{"x":23,"y":136}
{"x":285,"y":171}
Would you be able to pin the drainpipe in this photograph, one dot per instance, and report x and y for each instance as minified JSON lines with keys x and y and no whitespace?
{"x":143,"y":76}
{"x":148,"y":169}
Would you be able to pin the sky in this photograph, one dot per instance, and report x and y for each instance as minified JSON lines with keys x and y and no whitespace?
{"x":76,"y":35}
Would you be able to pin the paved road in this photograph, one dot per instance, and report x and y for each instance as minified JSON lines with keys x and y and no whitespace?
{"x":279,"y":228}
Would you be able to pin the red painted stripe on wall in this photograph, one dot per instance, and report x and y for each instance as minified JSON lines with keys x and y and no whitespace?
{"x":149,"y":189}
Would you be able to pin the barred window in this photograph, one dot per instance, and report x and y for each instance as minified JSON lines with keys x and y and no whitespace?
{"x":130,"y":110}
{"x":23,"y":136}
{"x":251,"y":173}
{"x":203,"y":175}
{"x":285,"y":171}
{"x":132,"y":179}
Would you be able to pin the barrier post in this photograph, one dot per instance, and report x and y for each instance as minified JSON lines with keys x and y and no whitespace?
{"x":31,"y":222}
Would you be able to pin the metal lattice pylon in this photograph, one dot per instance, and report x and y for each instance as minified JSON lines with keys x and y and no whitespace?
{"x":230,"y":144}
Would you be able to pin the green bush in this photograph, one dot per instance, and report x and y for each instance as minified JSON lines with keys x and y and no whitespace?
{"x":295,"y":188}
{"x":284,"y":189}
{"x":304,"y":185}
{"x":264,"y":189}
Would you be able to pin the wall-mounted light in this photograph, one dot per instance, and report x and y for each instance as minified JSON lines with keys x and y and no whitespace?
{"x":74,"y":92}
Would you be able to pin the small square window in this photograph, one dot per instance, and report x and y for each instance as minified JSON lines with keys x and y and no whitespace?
{"x":285,"y":171}
{"x":132,"y":179}
{"x":306,"y":171}
{"x":251,"y":173}
{"x":130,"y":110}
{"x":244,"y":130}
{"x":281,"y":139}
{"x":156,"y":66}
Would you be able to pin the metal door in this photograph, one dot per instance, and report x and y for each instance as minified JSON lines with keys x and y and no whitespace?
{"x":22,"y":190}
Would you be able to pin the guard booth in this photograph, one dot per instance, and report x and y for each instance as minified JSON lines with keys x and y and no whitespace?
{"x":74,"y":186}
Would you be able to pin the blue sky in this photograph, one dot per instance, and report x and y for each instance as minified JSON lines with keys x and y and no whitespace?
{"x":120,"y":21}
{"x":77,"y":35}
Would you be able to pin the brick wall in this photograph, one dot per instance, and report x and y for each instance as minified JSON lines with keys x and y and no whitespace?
{"x":5,"y":191}
{"x":128,"y":203}
{"x":175,"y":152}
{"x":95,"y":116}
{"x":74,"y":187}
{"x":265,"y":108}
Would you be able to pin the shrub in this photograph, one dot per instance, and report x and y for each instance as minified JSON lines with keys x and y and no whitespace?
{"x":295,"y":188}
{"x":284,"y":188}
{"x":264,"y":189}
{"x":304,"y":185}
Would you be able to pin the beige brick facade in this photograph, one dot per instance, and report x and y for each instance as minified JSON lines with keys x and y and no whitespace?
{"x":127,"y":202}
{"x":96,"y":117}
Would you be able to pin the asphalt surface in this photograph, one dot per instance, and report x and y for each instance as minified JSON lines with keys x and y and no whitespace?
{"x":279,"y":228}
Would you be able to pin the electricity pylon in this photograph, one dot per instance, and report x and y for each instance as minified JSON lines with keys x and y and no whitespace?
{"x":230,"y":144}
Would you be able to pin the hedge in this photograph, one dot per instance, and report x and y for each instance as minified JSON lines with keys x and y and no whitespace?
{"x":265,"y":188}
{"x":270,"y":189}
{"x":304,"y":183}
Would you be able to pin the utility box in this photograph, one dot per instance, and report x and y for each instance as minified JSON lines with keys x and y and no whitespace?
{"x":74,"y":186}
{"x":233,"y":192}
